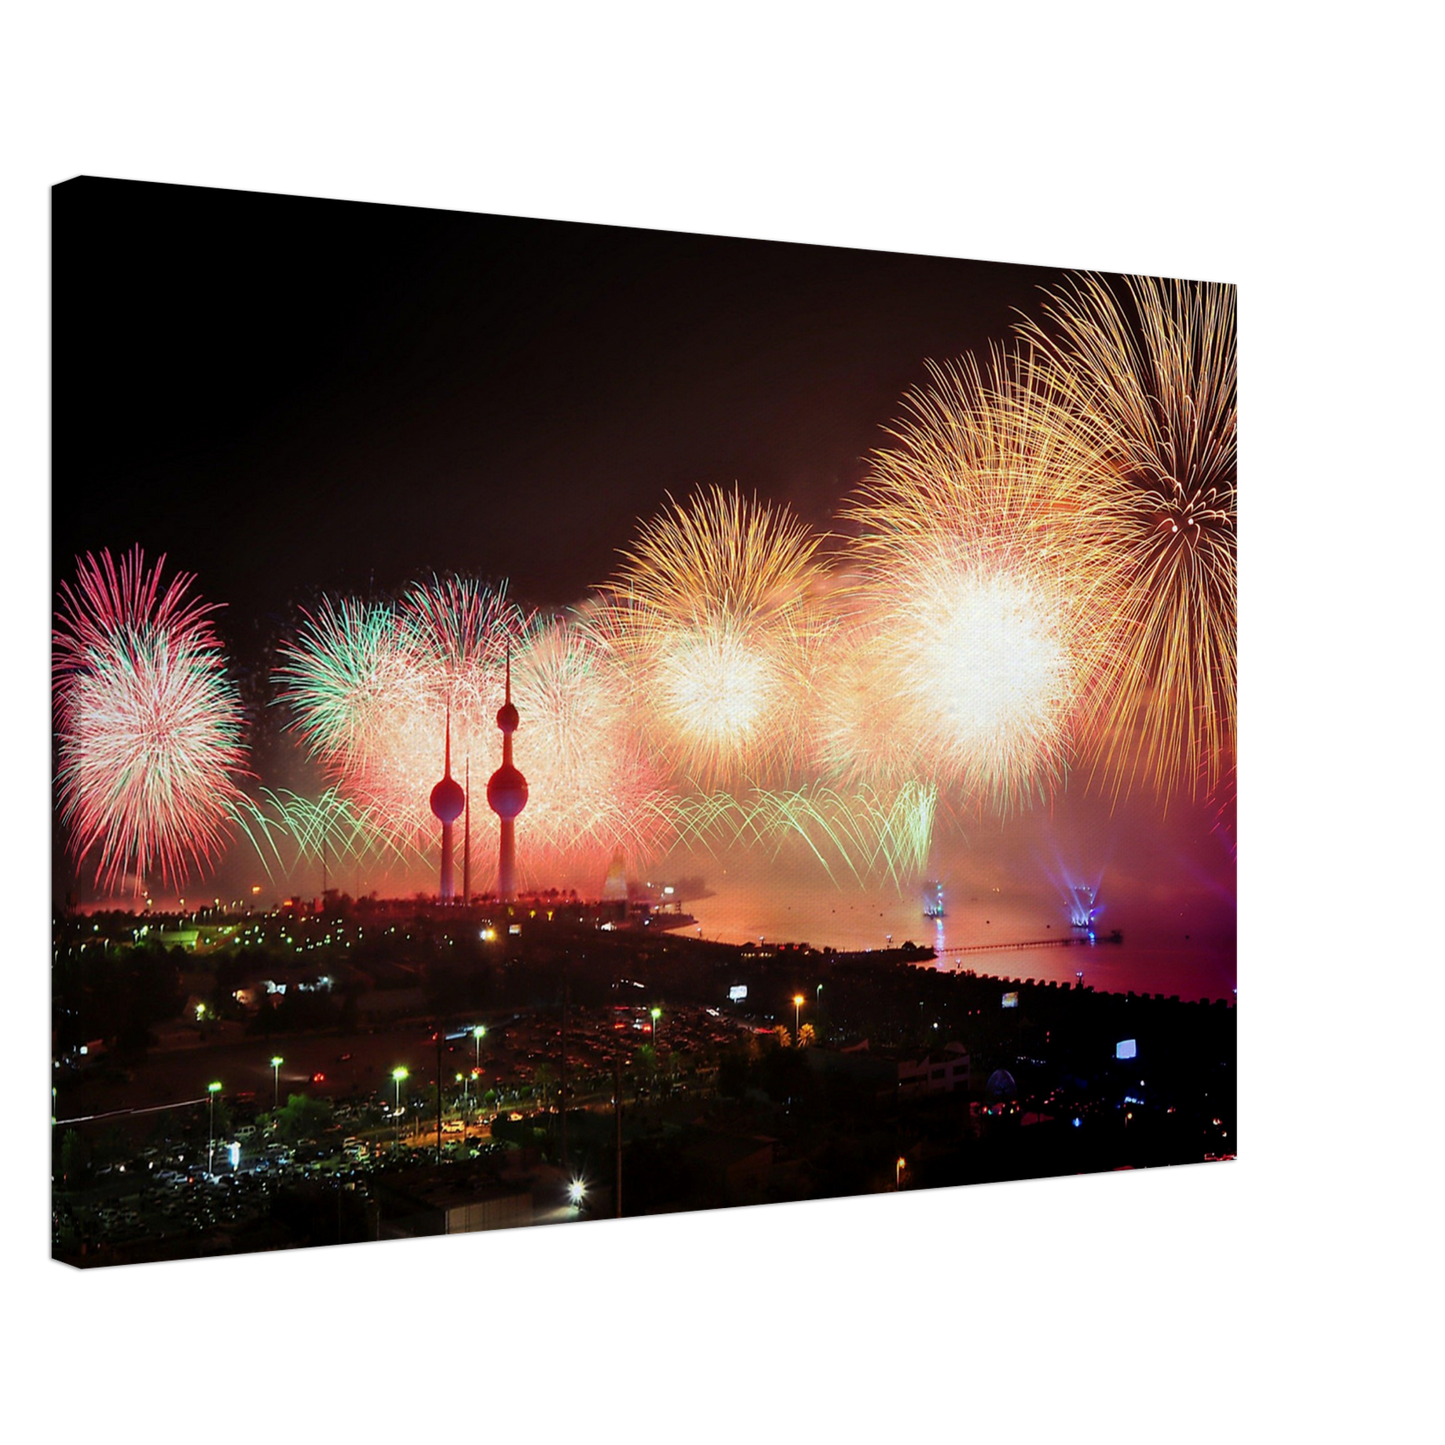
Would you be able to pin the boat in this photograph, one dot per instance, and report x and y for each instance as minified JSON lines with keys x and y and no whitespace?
{"x":933,"y":902}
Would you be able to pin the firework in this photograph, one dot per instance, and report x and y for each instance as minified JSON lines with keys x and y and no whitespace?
{"x":593,"y":789}
{"x":457,"y":633}
{"x":315,"y":836}
{"x":347,"y":670}
{"x":149,"y":722}
{"x":715,"y":619}
{"x":873,"y":833}
{"x":371,"y":688}
{"x":371,"y":685}
{"x":1140,"y":385}
{"x":982,"y":610}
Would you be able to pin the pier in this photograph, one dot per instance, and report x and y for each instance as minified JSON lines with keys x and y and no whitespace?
{"x":1115,"y":937}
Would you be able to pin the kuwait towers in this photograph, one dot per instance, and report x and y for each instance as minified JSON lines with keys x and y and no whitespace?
{"x":507,"y":796}
{"x":447,"y":802}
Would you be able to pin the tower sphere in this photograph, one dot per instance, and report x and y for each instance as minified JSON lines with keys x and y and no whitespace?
{"x":507,"y":718}
{"x":506,"y":792}
{"x":448,"y":800}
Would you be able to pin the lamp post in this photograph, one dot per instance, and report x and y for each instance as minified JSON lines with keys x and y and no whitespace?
{"x":797,"y":1019}
{"x":397,"y":1075}
{"x":212,"y":1090}
{"x":898,"y":1173}
{"x":276,"y":1063}
{"x":656,"y":1014}
{"x":479,"y":1033}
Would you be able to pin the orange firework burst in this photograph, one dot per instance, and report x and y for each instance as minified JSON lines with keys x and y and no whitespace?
{"x":1139,"y":384}
{"x":983,"y":599}
{"x":715,"y":619}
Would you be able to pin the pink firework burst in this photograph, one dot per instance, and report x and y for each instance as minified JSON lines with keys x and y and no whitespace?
{"x":149,"y":722}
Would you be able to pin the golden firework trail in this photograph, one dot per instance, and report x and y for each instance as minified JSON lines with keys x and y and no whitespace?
{"x":715,"y":619}
{"x":1136,"y":379}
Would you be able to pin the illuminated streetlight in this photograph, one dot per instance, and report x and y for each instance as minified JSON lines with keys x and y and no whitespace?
{"x":656,"y":1014}
{"x":276,"y":1063}
{"x":212,"y":1090}
{"x":479,"y":1033}
{"x":797,"y":1018}
{"x":577,"y":1192}
{"x":898,"y":1173}
{"x":397,"y":1075}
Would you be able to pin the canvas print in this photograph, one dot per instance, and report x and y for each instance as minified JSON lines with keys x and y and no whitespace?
{"x":555,"y":723}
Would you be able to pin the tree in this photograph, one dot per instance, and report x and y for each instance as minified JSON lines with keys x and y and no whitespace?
{"x":543,"y":1078}
{"x":302,"y":1117}
{"x":807,"y":1036}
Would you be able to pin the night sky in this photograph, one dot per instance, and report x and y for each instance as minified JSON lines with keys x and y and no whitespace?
{"x":298,"y":402}
{"x":285,"y":393}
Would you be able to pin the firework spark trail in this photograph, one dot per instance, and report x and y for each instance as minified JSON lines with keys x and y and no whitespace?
{"x":1139,"y":383}
{"x":715,"y":620}
{"x":869,"y":833}
{"x":149,"y":722}
{"x":297,"y":833}
{"x":875,"y":833}
{"x":984,"y":601}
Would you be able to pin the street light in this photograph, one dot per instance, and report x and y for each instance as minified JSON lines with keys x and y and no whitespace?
{"x":276,"y":1063}
{"x":397,"y":1075}
{"x":797,"y":1017}
{"x":479,"y":1033}
{"x":898,"y":1173}
{"x":656,"y":1014}
{"x":212,"y":1090}
{"x":577,"y":1192}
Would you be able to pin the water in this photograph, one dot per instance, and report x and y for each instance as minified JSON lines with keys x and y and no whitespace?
{"x":1186,"y":946}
